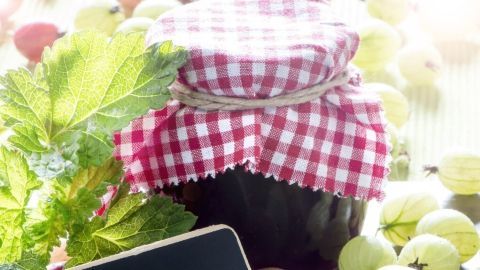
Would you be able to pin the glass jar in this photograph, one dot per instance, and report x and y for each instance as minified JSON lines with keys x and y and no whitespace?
{"x":279,"y":225}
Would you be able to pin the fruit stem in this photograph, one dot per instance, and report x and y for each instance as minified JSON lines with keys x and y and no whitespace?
{"x":115,"y":9}
{"x":416,"y":265}
{"x":430,"y":169}
{"x":31,"y":65}
{"x":382,"y":227}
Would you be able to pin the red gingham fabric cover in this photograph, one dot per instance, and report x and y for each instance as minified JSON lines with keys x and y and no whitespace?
{"x":259,"y":49}
{"x":106,"y":200}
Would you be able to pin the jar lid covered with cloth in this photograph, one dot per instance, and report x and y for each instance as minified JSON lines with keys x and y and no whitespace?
{"x":268,"y":131}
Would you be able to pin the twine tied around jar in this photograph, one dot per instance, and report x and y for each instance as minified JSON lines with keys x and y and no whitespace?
{"x":210,"y":102}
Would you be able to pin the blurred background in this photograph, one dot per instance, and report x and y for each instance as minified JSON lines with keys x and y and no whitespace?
{"x":444,"y":114}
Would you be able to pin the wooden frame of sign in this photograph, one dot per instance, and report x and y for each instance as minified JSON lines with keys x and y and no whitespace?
{"x":216,"y":247}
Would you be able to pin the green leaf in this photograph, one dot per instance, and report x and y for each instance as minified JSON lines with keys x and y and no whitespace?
{"x":26,"y":137}
{"x":108,"y":83}
{"x":96,"y":179}
{"x":63,"y":117}
{"x":94,"y":148}
{"x":131,"y":222}
{"x":69,"y":205}
{"x":46,"y":231}
{"x":17,"y":184}
{"x":29,"y":261}
{"x":87,"y":85}
{"x":53,"y":163}
{"x":26,"y":103}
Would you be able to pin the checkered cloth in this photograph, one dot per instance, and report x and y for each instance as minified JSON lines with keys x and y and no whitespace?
{"x":259,"y":49}
{"x":106,"y":200}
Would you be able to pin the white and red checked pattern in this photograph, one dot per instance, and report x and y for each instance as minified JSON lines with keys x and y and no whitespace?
{"x":256,"y":49}
{"x":106,"y":200}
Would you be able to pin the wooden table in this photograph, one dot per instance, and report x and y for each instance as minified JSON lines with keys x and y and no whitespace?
{"x":469,"y":205}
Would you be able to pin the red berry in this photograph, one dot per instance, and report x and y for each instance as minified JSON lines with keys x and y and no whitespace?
{"x":30,"y":39}
{"x":129,"y":5}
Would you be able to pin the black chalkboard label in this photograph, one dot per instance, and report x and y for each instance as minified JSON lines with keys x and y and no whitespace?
{"x":213,"y":248}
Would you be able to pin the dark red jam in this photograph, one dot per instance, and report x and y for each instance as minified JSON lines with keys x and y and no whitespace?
{"x":279,"y":225}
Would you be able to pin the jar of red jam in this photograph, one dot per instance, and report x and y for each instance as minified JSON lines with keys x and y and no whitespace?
{"x":269,"y":131}
{"x":278,"y":224}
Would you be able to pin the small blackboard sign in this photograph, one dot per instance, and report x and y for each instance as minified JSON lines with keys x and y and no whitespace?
{"x":216,"y":247}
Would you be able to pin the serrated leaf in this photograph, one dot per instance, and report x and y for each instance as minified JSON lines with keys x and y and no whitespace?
{"x":46,"y":231}
{"x":29,"y":261}
{"x":63,"y":117}
{"x":95,"y":179}
{"x":26,"y":103}
{"x":132,"y":80}
{"x":26,"y":137}
{"x":18,"y":182}
{"x":71,"y":204}
{"x":95,"y":148}
{"x":87,"y":84}
{"x":131,"y":222}
{"x":52,"y":164}
{"x":124,"y":207}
